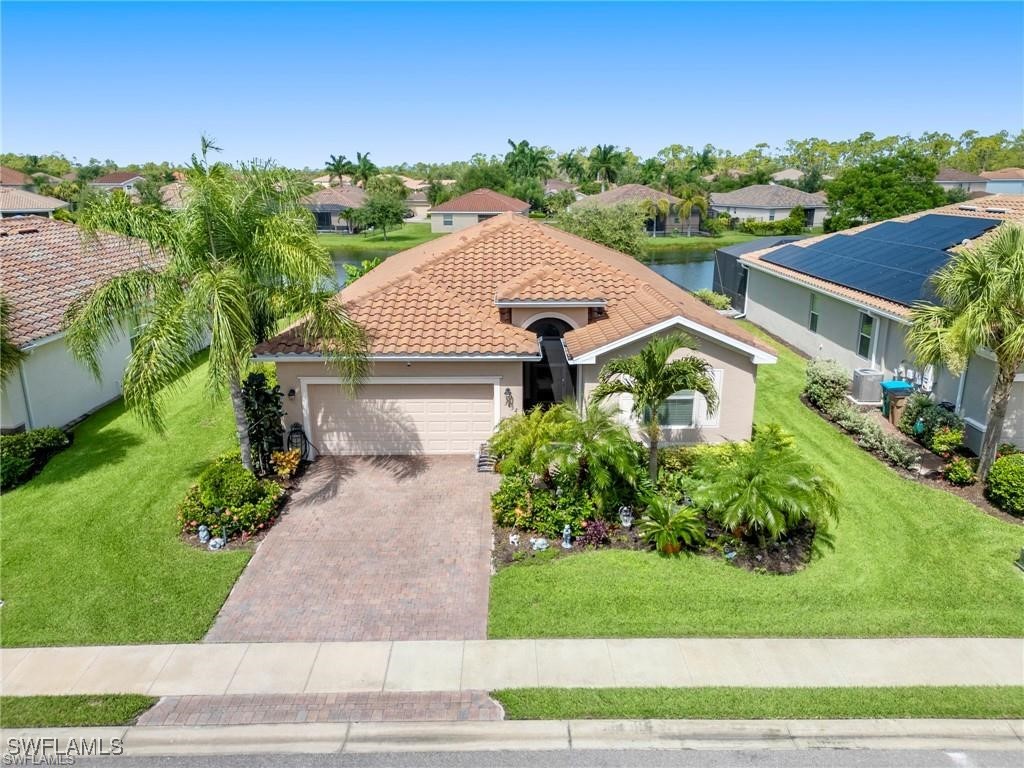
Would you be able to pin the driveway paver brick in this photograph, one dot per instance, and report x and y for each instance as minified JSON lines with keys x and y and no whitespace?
{"x":371,"y":548}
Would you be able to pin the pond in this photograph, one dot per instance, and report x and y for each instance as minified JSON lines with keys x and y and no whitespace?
{"x":692,"y":270}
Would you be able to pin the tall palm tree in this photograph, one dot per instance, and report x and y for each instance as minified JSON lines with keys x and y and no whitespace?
{"x":981,"y":304}
{"x":605,"y":162}
{"x":704,"y":161}
{"x":650,"y":378}
{"x":241,"y":256}
{"x":363,"y":169}
{"x":338,"y":166}
{"x":571,"y":165}
{"x":526,"y":162}
{"x":692,"y":198}
{"x":11,"y":355}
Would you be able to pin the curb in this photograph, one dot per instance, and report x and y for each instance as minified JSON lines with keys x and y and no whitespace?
{"x":363,"y":737}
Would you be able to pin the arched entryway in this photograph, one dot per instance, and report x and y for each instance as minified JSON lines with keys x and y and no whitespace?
{"x":551,"y":379}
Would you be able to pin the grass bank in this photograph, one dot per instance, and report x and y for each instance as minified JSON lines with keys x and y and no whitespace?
{"x":72,"y":711}
{"x":406,"y":236}
{"x":696,"y":243}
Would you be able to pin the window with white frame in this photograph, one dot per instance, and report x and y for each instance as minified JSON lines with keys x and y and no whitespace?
{"x":812,"y":318}
{"x":678,"y":411}
{"x":446,"y":219}
{"x":864,"y":332}
{"x":771,"y":215}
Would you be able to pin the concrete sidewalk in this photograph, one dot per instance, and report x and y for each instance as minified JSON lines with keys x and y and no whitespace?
{"x":354,"y":738}
{"x":211,"y":669}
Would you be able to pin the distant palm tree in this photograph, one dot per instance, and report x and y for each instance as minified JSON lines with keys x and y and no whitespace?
{"x":981,"y":306}
{"x":571,"y":165}
{"x":364,"y":169}
{"x":338,"y":166}
{"x":526,"y":162}
{"x":692,"y":198}
{"x":11,"y":355}
{"x":650,"y":379}
{"x":242,"y":255}
{"x":704,"y":162}
{"x":657,"y":209}
{"x":605,"y":162}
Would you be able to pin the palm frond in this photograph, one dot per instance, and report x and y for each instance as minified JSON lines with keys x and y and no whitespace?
{"x":11,"y":355}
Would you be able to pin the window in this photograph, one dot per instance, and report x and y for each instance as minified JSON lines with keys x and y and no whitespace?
{"x":867,"y":326}
{"x":446,"y":219}
{"x":812,"y":320}
{"x":771,"y":215}
{"x":677,"y":410}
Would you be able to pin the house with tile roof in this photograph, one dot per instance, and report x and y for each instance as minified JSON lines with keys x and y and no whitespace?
{"x":47,"y":265}
{"x":1006,"y":181}
{"x":770,"y":202}
{"x":9,"y":177}
{"x":865,"y":331}
{"x":126,"y":181}
{"x":472,"y":208}
{"x":330,"y":204}
{"x":628,"y":194}
{"x":15,"y":201}
{"x":970,"y":184}
{"x":493,"y":320}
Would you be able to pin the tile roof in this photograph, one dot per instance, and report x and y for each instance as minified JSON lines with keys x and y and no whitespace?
{"x":439,"y":298}
{"x":558,"y":185}
{"x":1004,"y":174}
{"x":545,"y":283}
{"x":13,"y":199}
{"x":482,"y":201}
{"x":47,"y":264}
{"x":1005,"y":207}
{"x":116,"y":177}
{"x":627,"y":193}
{"x":787,"y":174}
{"x":335,"y":199}
{"x":954,"y":174}
{"x":769,"y":196}
{"x":12,"y":178}
{"x":173,"y":195}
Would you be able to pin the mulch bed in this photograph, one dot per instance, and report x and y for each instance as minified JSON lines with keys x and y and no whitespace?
{"x":505,"y":553}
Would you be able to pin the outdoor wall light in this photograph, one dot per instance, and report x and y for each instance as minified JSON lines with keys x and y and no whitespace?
{"x":509,"y":402}
{"x":291,"y":394}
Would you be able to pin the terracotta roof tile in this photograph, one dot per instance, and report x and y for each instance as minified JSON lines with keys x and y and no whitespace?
{"x":1004,"y":174}
{"x":954,"y":174}
{"x":12,"y":178}
{"x":544,"y":283}
{"x":47,"y":264}
{"x":482,"y":201}
{"x":439,"y":298}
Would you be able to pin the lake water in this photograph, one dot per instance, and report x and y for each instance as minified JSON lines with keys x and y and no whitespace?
{"x":692,"y":270}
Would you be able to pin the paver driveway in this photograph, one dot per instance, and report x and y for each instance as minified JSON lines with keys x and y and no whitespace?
{"x":377,"y":548}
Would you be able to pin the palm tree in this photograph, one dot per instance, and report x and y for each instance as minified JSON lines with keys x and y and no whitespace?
{"x":363,"y":169}
{"x":526,"y":162}
{"x":770,"y":489}
{"x":981,"y":305}
{"x":605,"y":162}
{"x":339,"y":166}
{"x":241,"y":256}
{"x":571,"y":165}
{"x":650,"y":378}
{"x":522,"y":441}
{"x":692,"y":198}
{"x":11,"y":355}
{"x":704,"y":162}
{"x":655,"y":209}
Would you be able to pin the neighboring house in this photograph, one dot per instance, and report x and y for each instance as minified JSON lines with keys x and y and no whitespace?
{"x":554,"y":186}
{"x":172,"y":195}
{"x":847,"y":297}
{"x":969,"y":183}
{"x":1005,"y":181}
{"x":15,"y":201}
{"x":12,"y":178}
{"x":505,"y":315}
{"x":48,"y":264}
{"x":472,"y":208}
{"x":731,"y":276}
{"x":45,"y":178}
{"x":787,"y":174}
{"x":418,"y":204}
{"x":770,"y":202}
{"x":330,"y":204}
{"x":639,"y":193}
{"x":126,"y":181}
{"x":325,"y":181}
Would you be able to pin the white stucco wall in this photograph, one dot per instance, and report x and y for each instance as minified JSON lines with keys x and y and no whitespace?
{"x":1004,"y":187}
{"x":459,"y":221}
{"x":764,"y":214}
{"x":61,"y":390}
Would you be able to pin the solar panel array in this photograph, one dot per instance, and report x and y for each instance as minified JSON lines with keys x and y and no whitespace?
{"x":892,"y":260}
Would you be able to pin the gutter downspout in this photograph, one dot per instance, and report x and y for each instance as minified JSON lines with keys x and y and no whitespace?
{"x":25,"y":398}
{"x":960,"y":389}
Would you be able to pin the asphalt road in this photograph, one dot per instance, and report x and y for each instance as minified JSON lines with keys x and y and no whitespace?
{"x":807,"y":758}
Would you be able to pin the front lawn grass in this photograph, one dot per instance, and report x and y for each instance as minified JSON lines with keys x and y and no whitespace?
{"x":72,"y":711}
{"x":760,"y":703}
{"x":406,"y":236}
{"x":909,"y":560}
{"x":90,"y":552}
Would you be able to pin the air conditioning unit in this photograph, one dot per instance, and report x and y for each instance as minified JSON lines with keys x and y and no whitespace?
{"x":867,"y":383}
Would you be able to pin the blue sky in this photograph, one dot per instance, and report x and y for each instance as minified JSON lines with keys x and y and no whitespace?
{"x":436,"y":82}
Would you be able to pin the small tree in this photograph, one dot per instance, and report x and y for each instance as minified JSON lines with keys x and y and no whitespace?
{"x":354,"y":271}
{"x":650,"y":378}
{"x":381,"y":211}
{"x":620,"y":227}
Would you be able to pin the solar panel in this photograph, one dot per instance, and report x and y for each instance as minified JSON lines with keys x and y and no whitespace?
{"x":893,"y":260}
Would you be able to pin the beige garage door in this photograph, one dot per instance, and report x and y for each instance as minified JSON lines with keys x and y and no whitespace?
{"x":387,"y":419}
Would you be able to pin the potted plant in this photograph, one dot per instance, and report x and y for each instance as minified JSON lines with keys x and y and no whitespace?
{"x":668,"y":526}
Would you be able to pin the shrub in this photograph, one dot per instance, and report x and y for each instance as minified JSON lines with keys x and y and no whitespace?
{"x":912,"y":409}
{"x":286,"y":463}
{"x":896,"y":452}
{"x":229,"y":499}
{"x":23,"y":454}
{"x":946,"y":441}
{"x":263,"y":414}
{"x":827,"y":383}
{"x":717,"y":225}
{"x":1004,"y":485}
{"x":960,"y":471}
{"x":226,"y":483}
{"x":595,"y":533}
{"x":1007,"y":449}
{"x":922,"y":418}
{"x":668,"y":526}
{"x":712,"y":299}
{"x":519,"y":504}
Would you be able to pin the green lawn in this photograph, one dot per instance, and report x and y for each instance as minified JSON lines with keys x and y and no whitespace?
{"x":909,"y":560}
{"x":760,"y":703}
{"x":72,"y":711}
{"x":399,"y":239}
{"x":90,"y":552}
{"x":695,"y":243}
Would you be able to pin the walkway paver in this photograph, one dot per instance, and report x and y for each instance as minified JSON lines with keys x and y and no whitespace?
{"x":381,"y":548}
{"x":294,"y":668}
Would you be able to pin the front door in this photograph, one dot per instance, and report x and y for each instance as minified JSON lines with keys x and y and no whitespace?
{"x":551,"y":379}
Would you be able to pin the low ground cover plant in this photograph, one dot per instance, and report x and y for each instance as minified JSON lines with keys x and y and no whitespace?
{"x":714,"y":300}
{"x":22,"y":455}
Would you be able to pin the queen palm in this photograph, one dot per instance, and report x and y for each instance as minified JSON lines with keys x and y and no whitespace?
{"x":239,"y":257}
{"x":651,"y":378}
{"x":364,"y":169}
{"x":691,"y":199}
{"x":11,"y":355}
{"x":571,"y":165}
{"x":339,"y":166}
{"x":980,"y":295}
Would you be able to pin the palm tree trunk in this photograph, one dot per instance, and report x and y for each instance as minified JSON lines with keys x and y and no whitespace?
{"x":652,"y":457}
{"x":241,"y":425}
{"x":996,"y":415}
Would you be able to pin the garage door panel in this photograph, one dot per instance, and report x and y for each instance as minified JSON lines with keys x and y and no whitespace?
{"x":401,"y":418}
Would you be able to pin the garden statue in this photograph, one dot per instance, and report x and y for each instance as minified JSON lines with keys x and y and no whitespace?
{"x":513,"y":539}
{"x":567,"y":537}
{"x":215,"y":544}
{"x":538,"y":545}
{"x":204,"y":534}
{"x":626,"y":516}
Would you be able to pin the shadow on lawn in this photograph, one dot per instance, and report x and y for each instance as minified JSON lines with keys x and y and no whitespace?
{"x":88,"y":452}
